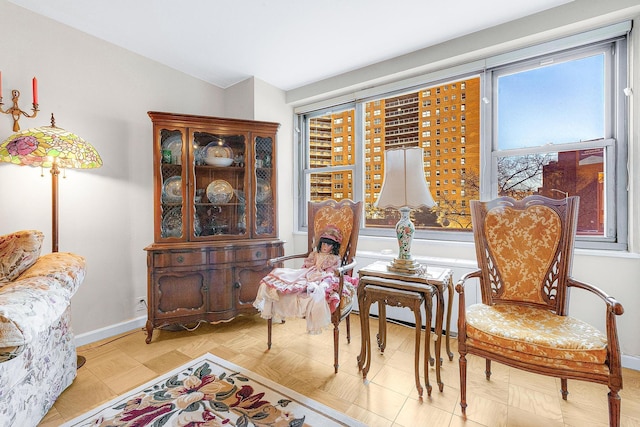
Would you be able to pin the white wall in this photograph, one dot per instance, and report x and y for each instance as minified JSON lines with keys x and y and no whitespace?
{"x":103,"y":93}
{"x":269,"y":105}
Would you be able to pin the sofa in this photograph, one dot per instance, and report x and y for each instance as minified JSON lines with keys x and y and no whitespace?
{"x":37,"y":348}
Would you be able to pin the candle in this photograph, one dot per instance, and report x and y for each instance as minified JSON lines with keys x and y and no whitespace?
{"x":35,"y":90}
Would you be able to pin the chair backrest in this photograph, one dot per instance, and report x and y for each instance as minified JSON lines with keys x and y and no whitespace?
{"x":345,"y":215}
{"x":524,"y":249}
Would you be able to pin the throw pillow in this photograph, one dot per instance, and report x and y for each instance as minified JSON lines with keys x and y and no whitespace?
{"x":18,"y":252}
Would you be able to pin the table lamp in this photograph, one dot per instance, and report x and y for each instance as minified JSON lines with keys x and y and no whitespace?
{"x":404,"y":188}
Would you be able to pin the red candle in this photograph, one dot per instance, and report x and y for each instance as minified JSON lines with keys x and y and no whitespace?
{"x":35,"y":90}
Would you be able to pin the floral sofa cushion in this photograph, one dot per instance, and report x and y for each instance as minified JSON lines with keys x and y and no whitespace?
{"x":65,"y":268}
{"x":499,"y":325}
{"x":18,"y":251}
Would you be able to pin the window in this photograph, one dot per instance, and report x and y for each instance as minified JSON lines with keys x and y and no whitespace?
{"x":548,"y":120}
{"x":574,"y":152}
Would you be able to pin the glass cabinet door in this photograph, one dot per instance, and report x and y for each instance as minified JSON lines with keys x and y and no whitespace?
{"x":218,"y":193}
{"x":264,"y":185}
{"x":172,"y":156}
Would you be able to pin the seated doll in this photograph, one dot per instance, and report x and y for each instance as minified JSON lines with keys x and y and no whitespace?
{"x":309,"y":291}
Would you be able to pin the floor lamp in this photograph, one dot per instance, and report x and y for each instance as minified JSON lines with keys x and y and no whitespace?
{"x":55,"y":148}
{"x":404,"y":188}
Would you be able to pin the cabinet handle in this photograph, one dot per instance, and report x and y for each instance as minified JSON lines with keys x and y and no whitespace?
{"x":180,"y":259}
{"x":258,"y":254}
{"x":236,"y":285}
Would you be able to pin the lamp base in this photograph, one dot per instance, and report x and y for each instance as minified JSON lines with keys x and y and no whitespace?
{"x":407,"y":266}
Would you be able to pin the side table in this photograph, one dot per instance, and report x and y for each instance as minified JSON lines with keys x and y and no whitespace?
{"x":385,"y":295}
{"x":435,"y":279}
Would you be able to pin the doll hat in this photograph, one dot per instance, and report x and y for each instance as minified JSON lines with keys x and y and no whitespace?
{"x":332,"y":233}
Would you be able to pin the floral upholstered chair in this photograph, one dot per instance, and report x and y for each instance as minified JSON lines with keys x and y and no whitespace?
{"x":524,"y":251}
{"x":337,"y":289}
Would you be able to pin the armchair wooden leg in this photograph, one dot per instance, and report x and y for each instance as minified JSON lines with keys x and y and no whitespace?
{"x":463,"y":384}
{"x":348,"y":323}
{"x":614,"y":408}
{"x":336,"y":336}
{"x":487,"y":370}
{"x":563,"y":388}
{"x":269,"y":324}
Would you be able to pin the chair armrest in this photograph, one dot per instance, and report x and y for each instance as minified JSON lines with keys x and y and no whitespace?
{"x":340,"y":272}
{"x":613,"y":309}
{"x":462,"y":305}
{"x":343,"y":269}
{"x":278,"y":260}
{"x":461,"y":283}
{"x":612,"y":304}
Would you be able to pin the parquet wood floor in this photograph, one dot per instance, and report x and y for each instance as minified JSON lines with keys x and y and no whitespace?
{"x":304,"y":363}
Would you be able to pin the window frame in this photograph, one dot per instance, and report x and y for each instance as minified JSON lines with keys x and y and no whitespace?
{"x":615,"y":141}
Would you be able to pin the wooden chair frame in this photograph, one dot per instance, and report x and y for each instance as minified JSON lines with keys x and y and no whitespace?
{"x":348,"y":250}
{"x":555,"y":297}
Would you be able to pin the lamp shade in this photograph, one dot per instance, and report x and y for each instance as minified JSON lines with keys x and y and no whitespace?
{"x":46,"y":145}
{"x":404,"y":183}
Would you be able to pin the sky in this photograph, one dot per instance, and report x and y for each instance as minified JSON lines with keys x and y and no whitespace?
{"x":559,"y":103}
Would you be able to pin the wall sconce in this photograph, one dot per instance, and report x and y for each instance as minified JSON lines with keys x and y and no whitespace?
{"x":15,"y":110}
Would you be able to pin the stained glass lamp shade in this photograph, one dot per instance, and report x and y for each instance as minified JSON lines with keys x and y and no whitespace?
{"x":50,"y":147}
{"x":404,"y":187}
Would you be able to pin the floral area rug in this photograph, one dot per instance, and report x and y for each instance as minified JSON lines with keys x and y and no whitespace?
{"x":211,"y":392}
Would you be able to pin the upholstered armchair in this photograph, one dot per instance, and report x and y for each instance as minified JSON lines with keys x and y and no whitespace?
{"x":344,"y":218}
{"x":524,"y":251}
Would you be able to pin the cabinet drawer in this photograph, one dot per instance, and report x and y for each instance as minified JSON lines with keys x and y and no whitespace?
{"x":177,"y":259}
{"x":222,"y":256}
{"x":253,"y":254}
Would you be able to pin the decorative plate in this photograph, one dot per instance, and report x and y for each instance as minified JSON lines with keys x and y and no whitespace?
{"x":219,"y":191}
{"x":174,"y":144}
{"x":172,"y":224}
{"x":263,"y":191}
{"x":172,"y":190}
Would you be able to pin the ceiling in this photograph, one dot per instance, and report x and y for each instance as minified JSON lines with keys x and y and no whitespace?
{"x":286,"y":43}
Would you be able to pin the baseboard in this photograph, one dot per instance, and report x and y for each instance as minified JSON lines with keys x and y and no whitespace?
{"x":110,"y":331}
{"x":630,"y":362}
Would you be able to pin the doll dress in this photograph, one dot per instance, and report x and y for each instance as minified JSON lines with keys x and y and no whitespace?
{"x":300,"y":292}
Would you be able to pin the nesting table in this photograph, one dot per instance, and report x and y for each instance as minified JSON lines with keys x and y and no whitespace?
{"x":378,"y":284}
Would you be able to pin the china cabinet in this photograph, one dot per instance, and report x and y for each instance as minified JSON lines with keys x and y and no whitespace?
{"x":215,"y":217}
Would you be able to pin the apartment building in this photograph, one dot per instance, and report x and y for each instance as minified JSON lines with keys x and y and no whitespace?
{"x":444,"y":120}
